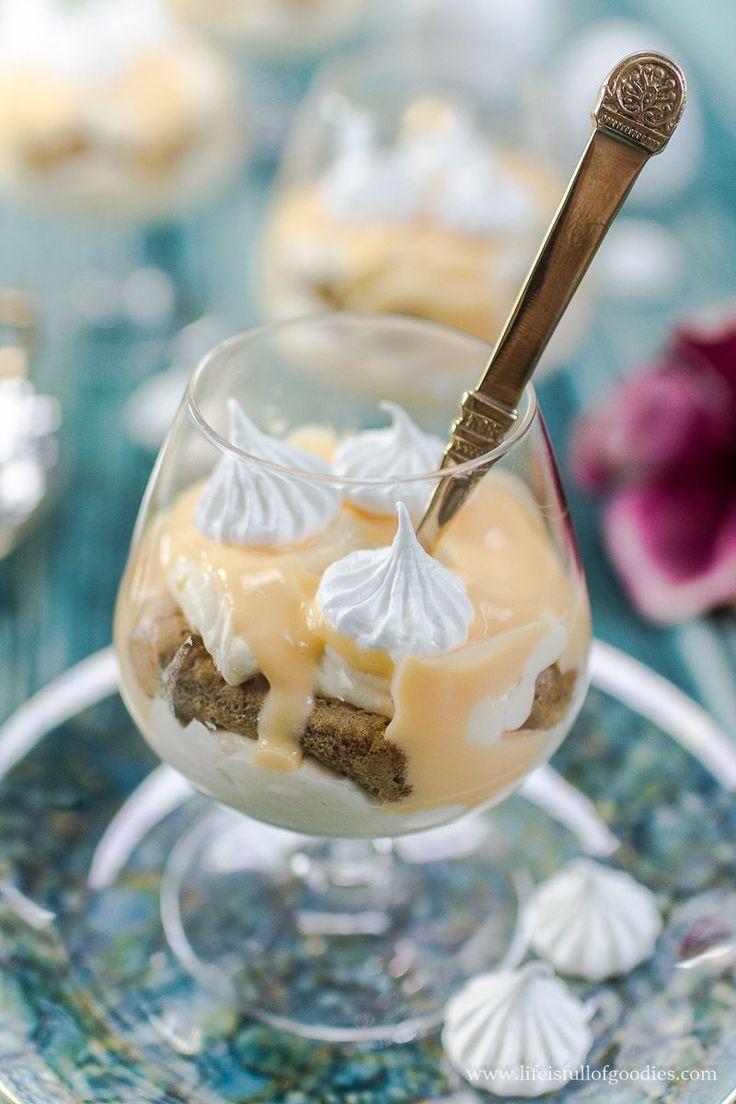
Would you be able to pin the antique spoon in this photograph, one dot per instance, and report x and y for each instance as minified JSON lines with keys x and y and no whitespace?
{"x":635,"y":115}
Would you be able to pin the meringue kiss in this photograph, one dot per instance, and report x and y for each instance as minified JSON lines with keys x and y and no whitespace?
{"x":594,"y":922}
{"x":516,"y":1021}
{"x":401,"y":449}
{"x":248,"y":504}
{"x":397,"y":599}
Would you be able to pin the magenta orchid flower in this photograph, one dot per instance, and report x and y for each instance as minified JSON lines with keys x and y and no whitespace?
{"x":663,"y":448}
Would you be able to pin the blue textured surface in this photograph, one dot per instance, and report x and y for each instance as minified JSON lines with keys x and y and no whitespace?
{"x":82,"y":1002}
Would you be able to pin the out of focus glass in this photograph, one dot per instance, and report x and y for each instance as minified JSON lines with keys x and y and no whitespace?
{"x":117,"y":125}
{"x":417,"y":181}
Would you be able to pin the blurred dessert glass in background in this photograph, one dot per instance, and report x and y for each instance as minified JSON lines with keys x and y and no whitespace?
{"x":276,"y":28}
{"x":281,"y":634}
{"x":111,"y":108}
{"x":415,"y":182}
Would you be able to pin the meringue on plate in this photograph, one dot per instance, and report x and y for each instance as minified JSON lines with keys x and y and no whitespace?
{"x":523,"y":1026}
{"x":311,"y":647}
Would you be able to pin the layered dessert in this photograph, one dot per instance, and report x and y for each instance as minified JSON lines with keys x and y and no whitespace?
{"x":439,"y":222}
{"x":288,"y":644}
{"x":275,"y":27}
{"x":111,"y":106}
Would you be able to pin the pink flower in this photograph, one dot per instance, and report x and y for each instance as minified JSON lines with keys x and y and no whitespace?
{"x":663,"y":448}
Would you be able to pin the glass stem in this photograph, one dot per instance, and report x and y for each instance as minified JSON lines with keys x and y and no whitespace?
{"x":347,"y":886}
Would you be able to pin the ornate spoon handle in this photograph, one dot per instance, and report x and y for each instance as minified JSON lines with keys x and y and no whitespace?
{"x":635,"y":114}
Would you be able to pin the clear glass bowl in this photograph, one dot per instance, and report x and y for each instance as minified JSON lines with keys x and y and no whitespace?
{"x":290,"y":720}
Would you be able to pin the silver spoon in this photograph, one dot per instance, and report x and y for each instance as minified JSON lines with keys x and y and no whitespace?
{"x":635,"y":115}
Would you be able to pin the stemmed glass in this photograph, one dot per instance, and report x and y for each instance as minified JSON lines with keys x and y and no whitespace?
{"x":304,"y":907}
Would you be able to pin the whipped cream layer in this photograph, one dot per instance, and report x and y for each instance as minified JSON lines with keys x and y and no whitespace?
{"x":506,"y":610}
{"x":312,"y":800}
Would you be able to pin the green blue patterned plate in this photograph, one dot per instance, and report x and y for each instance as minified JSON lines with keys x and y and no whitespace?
{"x":93,"y":1007}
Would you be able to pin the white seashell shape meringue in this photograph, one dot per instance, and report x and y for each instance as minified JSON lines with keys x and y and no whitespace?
{"x":250,"y":505}
{"x":401,"y":449}
{"x":523,"y":1030}
{"x":594,"y":922}
{"x":397,"y":599}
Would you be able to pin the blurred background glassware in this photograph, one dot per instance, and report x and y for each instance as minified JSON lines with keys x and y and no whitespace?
{"x":116,"y":123}
{"x":418,"y":180}
{"x":29,"y":421}
{"x":110,"y":109}
{"x":347,"y":895}
{"x":277,"y":28}
{"x":279,"y":43}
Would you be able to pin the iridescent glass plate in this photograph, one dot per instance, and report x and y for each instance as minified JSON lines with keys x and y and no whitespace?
{"x":96,"y":1007}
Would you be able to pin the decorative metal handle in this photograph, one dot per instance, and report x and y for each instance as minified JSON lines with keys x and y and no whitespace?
{"x":636,"y":112}
{"x":643,"y":100}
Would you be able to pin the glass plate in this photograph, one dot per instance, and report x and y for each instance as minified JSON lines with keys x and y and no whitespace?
{"x":94,"y":1007}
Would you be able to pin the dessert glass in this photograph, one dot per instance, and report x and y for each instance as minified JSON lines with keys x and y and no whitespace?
{"x":351,"y":939}
{"x":113,"y":111}
{"x":116,"y":125}
{"x":417,"y":180}
{"x":276,"y":28}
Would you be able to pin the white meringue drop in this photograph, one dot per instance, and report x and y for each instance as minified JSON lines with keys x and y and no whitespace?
{"x":519,"y":1025}
{"x":397,"y":599}
{"x":400,"y":449}
{"x":594,"y":922}
{"x":250,"y":505}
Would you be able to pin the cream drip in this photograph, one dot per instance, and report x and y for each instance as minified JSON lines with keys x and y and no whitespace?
{"x":247,"y":504}
{"x":401,"y":449}
{"x":397,"y":600}
{"x":519,"y":595}
{"x":492,"y":717}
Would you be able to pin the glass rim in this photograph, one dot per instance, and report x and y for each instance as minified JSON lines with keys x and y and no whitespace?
{"x":529,"y":408}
